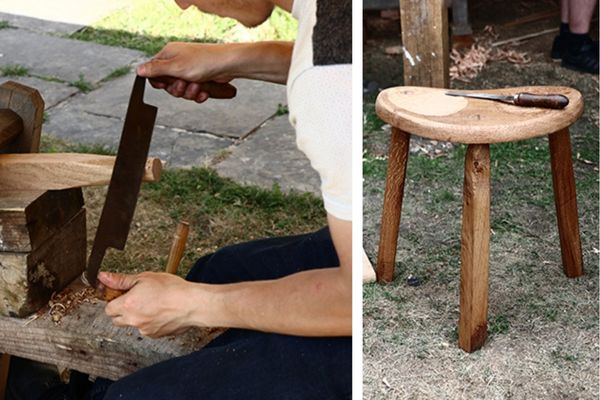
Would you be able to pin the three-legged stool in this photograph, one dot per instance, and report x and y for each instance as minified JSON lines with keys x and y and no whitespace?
{"x":429,"y":113}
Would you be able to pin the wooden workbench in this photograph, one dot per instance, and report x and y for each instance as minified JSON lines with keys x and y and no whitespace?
{"x":87,"y":341}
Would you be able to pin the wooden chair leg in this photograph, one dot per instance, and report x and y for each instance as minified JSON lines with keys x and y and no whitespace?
{"x":475,"y":245}
{"x":4,"y":364}
{"x":565,"y":200}
{"x":392,"y":205}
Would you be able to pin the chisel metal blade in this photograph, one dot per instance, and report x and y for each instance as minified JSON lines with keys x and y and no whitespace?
{"x":125,"y":181}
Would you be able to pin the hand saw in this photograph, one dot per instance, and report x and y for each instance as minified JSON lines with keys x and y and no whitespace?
{"x":125,"y":181}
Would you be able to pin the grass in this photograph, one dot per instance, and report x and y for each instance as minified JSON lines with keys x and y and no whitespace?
{"x":50,"y":144}
{"x":14,"y":70}
{"x":117,"y":72}
{"x":148,"y":29}
{"x":220,"y":212}
{"x":83,"y":85}
{"x":4,"y":25}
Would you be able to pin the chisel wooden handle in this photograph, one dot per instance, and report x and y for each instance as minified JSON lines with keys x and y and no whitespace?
{"x":215,"y":90}
{"x":177,"y":248}
{"x":554,"y":101}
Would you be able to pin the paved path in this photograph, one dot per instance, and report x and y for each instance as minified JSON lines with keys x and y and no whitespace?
{"x":244,"y":138}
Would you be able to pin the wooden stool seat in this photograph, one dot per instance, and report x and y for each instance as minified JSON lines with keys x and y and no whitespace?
{"x":430,"y":113}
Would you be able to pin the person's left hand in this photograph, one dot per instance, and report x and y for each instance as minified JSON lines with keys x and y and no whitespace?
{"x":156,"y":303}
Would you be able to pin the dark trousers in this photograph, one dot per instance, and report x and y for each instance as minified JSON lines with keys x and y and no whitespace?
{"x":249,"y":365}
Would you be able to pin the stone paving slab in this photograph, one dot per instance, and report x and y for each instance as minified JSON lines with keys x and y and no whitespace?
{"x":196,"y":149}
{"x":255,"y":103}
{"x":270,"y":156}
{"x":65,"y":59}
{"x":52,"y":92}
{"x":39,"y":25}
{"x":79,"y":12}
{"x":176,"y":147}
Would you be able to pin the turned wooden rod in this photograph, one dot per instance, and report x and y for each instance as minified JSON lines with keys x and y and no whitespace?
{"x":57,"y":171}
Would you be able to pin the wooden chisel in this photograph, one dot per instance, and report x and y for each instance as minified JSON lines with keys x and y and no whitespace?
{"x":552,"y":101}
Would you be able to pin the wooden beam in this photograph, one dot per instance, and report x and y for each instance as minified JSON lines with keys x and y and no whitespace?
{"x":28,"y":104}
{"x":56,"y":171}
{"x":424,"y":26}
{"x":11,"y":125}
{"x":87,"y":341}
{"x":475,"y":249}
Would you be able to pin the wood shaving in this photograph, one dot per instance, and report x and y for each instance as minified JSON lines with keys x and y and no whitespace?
{"x":67,"y":301}
{"x":468,"y":63}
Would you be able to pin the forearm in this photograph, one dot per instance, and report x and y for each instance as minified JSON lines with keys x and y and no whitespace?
{"x":265,"y":61}
{"x":310,"y":303}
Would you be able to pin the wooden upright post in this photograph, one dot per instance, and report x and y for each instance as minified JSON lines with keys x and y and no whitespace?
{"x":424,"y":26}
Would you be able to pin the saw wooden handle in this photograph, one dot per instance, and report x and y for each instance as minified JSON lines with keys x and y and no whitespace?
{"x":177,"y":248}
{"x":214,"y":89}
{"x":553,"y":101}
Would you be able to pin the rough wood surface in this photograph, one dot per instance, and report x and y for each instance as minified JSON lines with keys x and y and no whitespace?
{"x":11,"y":125}
{"x":27,"y":280}
{"x":424,"y":27}
{"x":475,"y":246}
{"x":57,"y":171}
{"x":28,"y":104}
{"x":87,"y":341}
{"x":392,"y":205}
{"x":565,"y":199}
{"x":28,"y":219}
{"x":481,"y":121}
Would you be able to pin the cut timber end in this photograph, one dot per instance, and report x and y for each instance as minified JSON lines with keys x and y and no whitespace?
{"x":43,"y":239}
{"x":28,"y":104}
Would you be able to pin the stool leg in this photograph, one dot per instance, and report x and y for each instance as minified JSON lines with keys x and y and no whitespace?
{"x":565,"y":200}
{"x":4,"y":364}
{"x":392,"y":205}
{"x":475,"y":248}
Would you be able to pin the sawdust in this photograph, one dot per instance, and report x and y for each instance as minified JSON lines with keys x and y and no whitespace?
{"x":67,"y":301}
{"x":468,"y":63}
{"x":41,"y":274}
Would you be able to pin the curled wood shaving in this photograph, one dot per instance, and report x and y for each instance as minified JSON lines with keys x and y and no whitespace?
{"x":65,"y":302}
{"x":468,"y":63}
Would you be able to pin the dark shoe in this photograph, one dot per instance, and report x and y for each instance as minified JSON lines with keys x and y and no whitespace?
{"x":560,"y":45}
{"x":583,"y":57}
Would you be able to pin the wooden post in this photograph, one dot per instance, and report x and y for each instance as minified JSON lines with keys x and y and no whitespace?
{"x":28,"y":104}
{"x":4,"y":365}
{"x":424,"y":26}
{"x":565,"y":199}
{"x":392,"y":205}
{"x":475,"y":245}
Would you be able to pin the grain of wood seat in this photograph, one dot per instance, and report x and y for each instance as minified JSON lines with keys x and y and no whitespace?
{"x":430,"y":113}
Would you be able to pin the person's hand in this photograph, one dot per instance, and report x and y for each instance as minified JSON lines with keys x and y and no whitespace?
{"x":194,"y":71}
{"x":156,"y":303}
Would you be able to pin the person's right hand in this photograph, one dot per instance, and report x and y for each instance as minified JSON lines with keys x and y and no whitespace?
{"x":194,"y":71}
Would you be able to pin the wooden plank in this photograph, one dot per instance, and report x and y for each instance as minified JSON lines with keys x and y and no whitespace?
{"x":565,"y":200}
{"x":4,"y":366}
{"x":29,"y":105}
{"x":392,"y":205}
{"x":11,"y":125}
{"x":56,"y":171}
{"x":28,"y":219}
{"x":87,"y":341}
{"x":27,"y":280}
{"x":475,"y":245}
{"x":424,"y":26}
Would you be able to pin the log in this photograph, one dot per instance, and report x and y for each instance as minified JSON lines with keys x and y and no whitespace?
{"x":87,"y":341}
{"x":27,"y":280}
{"x":424,"y":27}
{"x":56,"y":171}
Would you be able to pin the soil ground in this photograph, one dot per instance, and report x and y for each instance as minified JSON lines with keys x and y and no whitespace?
{"x":543,"y":327}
